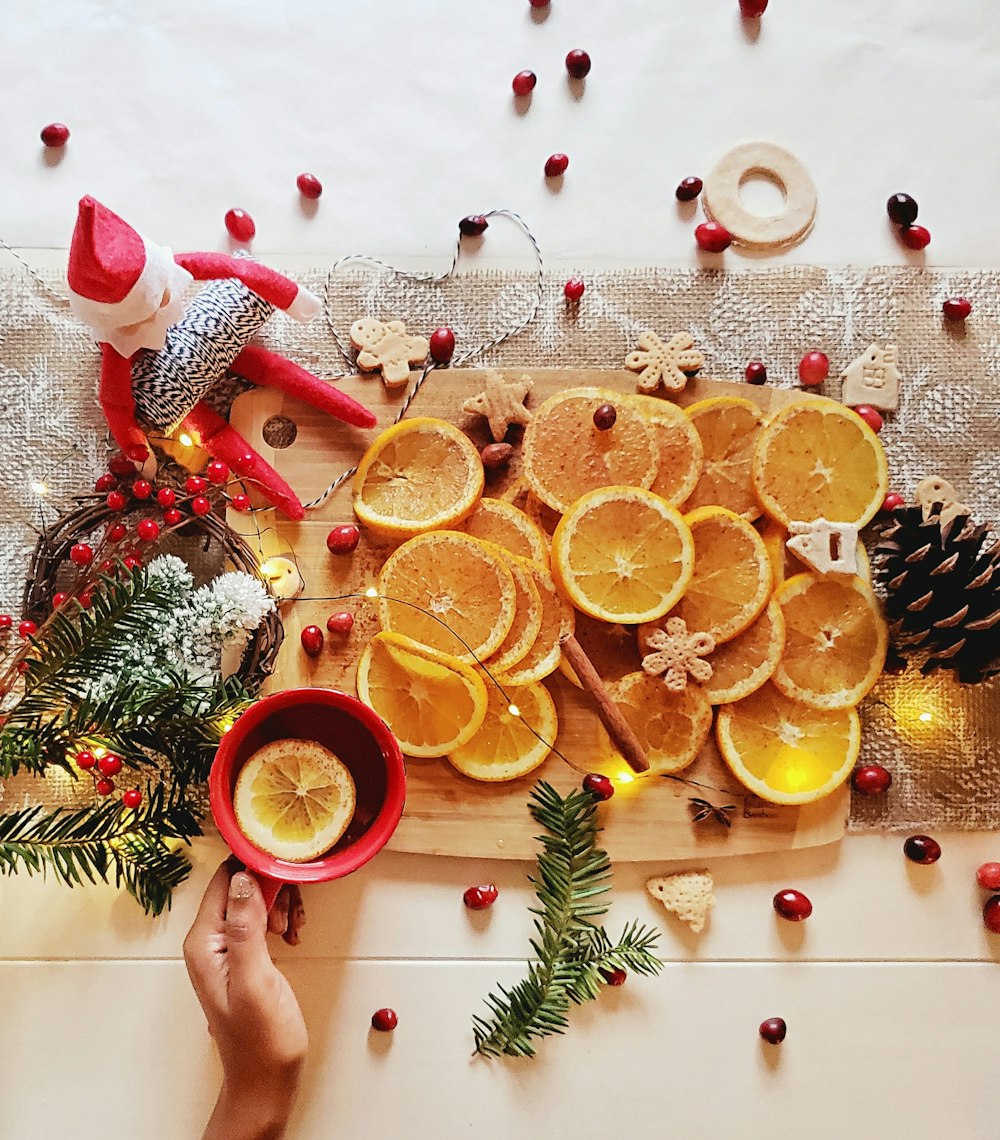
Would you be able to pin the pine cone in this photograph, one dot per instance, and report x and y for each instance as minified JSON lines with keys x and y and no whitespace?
{"x":942,"y":591}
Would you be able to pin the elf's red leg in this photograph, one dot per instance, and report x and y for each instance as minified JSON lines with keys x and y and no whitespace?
{"x":118,"y":404}
{"x":224,"y":442}
{"x":271,"y":370}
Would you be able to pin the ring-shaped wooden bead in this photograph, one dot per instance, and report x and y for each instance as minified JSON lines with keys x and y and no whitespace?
{"x":721,"y":196}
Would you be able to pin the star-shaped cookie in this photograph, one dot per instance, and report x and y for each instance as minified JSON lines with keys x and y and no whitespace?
{"x":501,"y":402}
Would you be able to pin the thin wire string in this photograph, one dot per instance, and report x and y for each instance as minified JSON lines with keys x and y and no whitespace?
{"x":40,"y":281}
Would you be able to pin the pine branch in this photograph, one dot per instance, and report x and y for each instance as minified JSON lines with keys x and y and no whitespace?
{"x":573,"y":872}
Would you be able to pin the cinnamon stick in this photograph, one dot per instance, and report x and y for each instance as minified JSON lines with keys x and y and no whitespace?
{"x":620,"y":731}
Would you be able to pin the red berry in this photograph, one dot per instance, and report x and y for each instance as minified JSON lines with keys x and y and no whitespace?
{"x":604,"y":417}
{"x":245,"y":463}
{"x":200,"y":505}
{"x":117,"y":532}
{"x":922,"y":849}
{"x":59,"y":599}
{"x":871,"y":780}
{"x":343,"y":539}
{"x":142,"y":489}
{"x":132,"y":798}
{"x":792,"y":905}
{"x":340,"y":623}
{"x":6,"y":623}
{"x":539,"y":3}
{"x":756,"y":373}
{"x":915,"y":237}
{"x":80,"y":554}
{"x":902,"y":209}
{"x":892,"y":501}
{"x":473,"y":225}
{"x":384,"y":1020}
{"x":555,"y":165}
{"x":480,"y":898}
{"x":27,"y":629}
{"x":524,"y":83}
{"x":85,"y":598}
{"x":988,"y":876}
{"x":148,"y":530}
{"x":689,"y":189}
{"x":217,"y":471}
{"x":120,"y":465}
{"x":172,"y":516}
{"x":598,"y":785}
{"x":85,"y":760}
{"x":312,"y":640}
{"x":115,"y":501}
{"x":104,"y":787}
{"x":107,"y":566}
{"x":109,"y":765}
{"x":166,"y":496}
{"x":442,"y":345}
{"x":131,"y":562}
{"x":814,"y":368}
{"x":956,"y":308}
{"x":615,"y":977}
{"x":240,"y":225}
{"x":573,"y":289}
{"x":750,"y":9}
{"x":105,"y":483}
{"x":773,"y":1030}
{"x":713,"y":237}
{"x":195,"y":484}
{"x":871,"y":416}
{"x":991,"y":914}
{"x":578,"y":63}
{"x":309,"y":186}
{"x":23,"y":667}
{"x":240,"y":502}
{"x":55,"y":134}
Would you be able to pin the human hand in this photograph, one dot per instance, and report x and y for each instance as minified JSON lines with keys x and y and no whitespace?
{"x":251,"y":1009}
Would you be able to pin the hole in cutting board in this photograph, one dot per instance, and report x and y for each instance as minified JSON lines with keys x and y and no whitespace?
{"x":762,"y":193}
{"x":279,"y":432}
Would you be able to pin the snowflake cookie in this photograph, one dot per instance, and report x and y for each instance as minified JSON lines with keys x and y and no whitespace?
{"x":387,"y":347}
{"x":667,"y":364}
{"x":678,"y":653}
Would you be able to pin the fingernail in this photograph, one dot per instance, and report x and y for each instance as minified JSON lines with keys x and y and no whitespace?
{"x":240,"y":886}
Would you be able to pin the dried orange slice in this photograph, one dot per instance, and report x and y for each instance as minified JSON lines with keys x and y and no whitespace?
{"x":517,"y":735}
{"x":622,"y":555}
{"x":835,"y":640}
{"x":496,"y":521}
{"x":671,"y":727}
{"x":728,"y":427}
{"x":681,"y":453}
{"x":741,"y":666}
{"x":565,"y":455}
{"x":294,"y":799}
{"x":784,"y":564}
{"x":784,"y":751}
{"x":431,"y":701}
{"x":527,"y":618}
{"x":558,"y":621}
{"x":418,"y":475}
{"x":817,"y":459}
{"x":450,"y":592}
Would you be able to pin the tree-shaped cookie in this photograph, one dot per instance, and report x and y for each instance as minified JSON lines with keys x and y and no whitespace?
{"x":387,"y":347}
{"x":667,"y":364}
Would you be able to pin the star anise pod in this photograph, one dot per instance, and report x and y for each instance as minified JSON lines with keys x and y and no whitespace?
{"x":703,"y":810}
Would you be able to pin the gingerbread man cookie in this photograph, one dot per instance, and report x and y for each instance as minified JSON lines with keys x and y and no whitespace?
{"x":387,"y":347}
{"x":501,"y":402}
{"x":678,"y":654}
{"x":873,"y":379}
{"x":667,"y":364}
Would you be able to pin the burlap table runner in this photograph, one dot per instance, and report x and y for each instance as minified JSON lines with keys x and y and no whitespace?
{"x":936,"y":737}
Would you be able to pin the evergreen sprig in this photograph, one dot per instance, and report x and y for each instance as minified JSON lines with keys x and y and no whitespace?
{"x":573,"y":953}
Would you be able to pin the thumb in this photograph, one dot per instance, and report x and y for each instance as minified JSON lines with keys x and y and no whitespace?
{"x":246,"y":927}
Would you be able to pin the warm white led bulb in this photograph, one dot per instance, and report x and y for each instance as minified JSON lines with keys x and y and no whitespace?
{"x":39,"y":488}
{"x":185,"y":440}
{"x":371,"y":592}
{"x":513,"y":710}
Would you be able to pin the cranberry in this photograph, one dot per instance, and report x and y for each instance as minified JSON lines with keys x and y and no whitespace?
{"x":773,"y":1030}
{"x":956,"y":308}
{"x":200,"y":505}
{"x":598,"y":785}
{"x":604,"y":417}
{"x":132,"y":798}
{"x":109,"y":765}
{"x":473,"y":225}
{"x":442,"y":345}
{"x":892,"y":501}
{"x":142,"y":489}
{"x":756,"y":373}
{"x":480,"y":898}
{"x":689,"y":189}
{"x":524,"y":83}
{"x":217,"y":471}
{"x":578,"y":63}
{"x":792,"y":905}
{"x":105,"y":483}
{"x":312,"y":640}
{"x":6,"y":623}
{"x":871,"y":780}
{"x":539,"y":3}
{"x":915,"y":237}
{"x":871,"y":416}
{"x":573,"y":289}
{"x":121,"y":465}
{"x":148,"y":530}
{"x":309,"y":186}
{"x":384,"y":1020}
{"x":713,"y":237}
{"x":166,"y":496}
{"x":85,"y":597}
{"x":343,"y":539}
{"x":115,"y":501}
{"x":104,"y":787}
{"x":172,"y":516}
{"x":991,"y":914}
{"x":750,"y":9}
{"x":902,"y":209}
{"x":59,"y":599}
{"x":555,"y":165}
{"x":55,"y":134}
{"x":27,"y":629}
{"x":107,"y":566}
{"x":988,"y":876}
{"x":80,"y":554}
{"x":615,"y":977}
{"x":340,"y":623}
{"x":496,"y":456}
{"x":85,"y":760}
{"x":195,"y":485}
{"x":240,"y":225}
{"x":814,"y":368}
{"x":240,"y":502}
{"x":922,"y":849}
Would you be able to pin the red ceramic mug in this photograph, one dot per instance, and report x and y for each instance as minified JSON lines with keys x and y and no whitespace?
{"x":359,"y":737}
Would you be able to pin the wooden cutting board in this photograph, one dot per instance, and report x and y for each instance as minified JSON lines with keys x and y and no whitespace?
{"x":446,"y":813}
